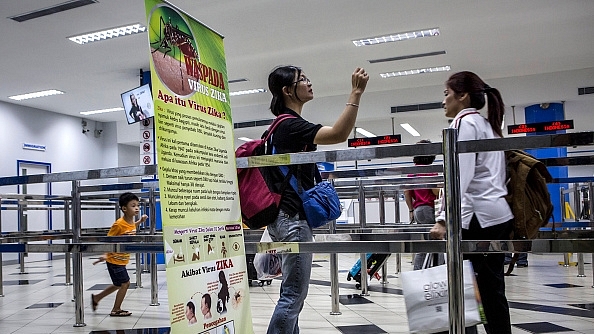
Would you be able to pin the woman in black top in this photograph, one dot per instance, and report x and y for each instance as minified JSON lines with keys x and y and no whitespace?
{"x":136,"y":112}
{"x":291,"y":89}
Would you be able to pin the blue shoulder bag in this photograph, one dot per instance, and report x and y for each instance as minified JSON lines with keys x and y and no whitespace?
{"x":320,"y":203}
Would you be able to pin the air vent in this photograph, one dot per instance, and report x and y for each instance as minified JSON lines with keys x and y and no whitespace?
{"x":252,"y":124}
{"x":420,"y":55}
{"x":52,"y":10}
{"x":585,"y":90}
{"x":417,"y":107}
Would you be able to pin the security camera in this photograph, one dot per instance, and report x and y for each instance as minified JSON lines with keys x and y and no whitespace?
{"x":85,"y":130}
{"x":98,"y":133}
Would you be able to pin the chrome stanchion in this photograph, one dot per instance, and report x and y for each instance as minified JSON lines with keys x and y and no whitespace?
{"x":145,"y":256}
{"x":363,"y":256}
{"x":1,"y":275}
{"x":454,"y":231}
{"x":385,"y":273}
{"x":22,"y":228}
{"x":334,"y":289}
{"x":591,"y":202}
{"x":382,"y":208}
{"x":580,"y":265}
{"x":138,"y":259}
{"x":67,"y":256}
{"x":362,"y":213}
{"x":153,"y":256}
{"x":398,"y":263}
{"x":576,"y":201}
{"x":77,"y":257}
{"x":397,"y":206}
{"x":364,"y":288}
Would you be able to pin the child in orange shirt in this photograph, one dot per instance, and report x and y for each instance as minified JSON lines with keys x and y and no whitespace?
{"x":116,"y":262}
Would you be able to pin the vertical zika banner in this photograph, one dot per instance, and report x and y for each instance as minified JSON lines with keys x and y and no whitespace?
{"x":204,"y":251}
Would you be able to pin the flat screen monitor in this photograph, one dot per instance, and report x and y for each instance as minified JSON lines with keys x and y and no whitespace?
{"x":138,"y":104}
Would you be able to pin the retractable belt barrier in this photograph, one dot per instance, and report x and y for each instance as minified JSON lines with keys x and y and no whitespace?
{"x":377,"y":183}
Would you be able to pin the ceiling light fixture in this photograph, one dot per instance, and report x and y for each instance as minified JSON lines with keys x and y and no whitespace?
{"x":416,"y":71}
{"x":365,"y":133}
{"x":108,"y":33}
{"x":249,"y":91}
{"x":35,"y":95}
{"x":245,"y":138}
{"x":402,"y":36}
{"x":410,"y":129}
{"x":101,"y":111}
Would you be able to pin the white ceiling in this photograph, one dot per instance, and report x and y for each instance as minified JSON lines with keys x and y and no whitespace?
{"x":499,"y":40}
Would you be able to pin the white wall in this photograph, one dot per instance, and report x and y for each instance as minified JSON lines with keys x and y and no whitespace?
{"x":67,"y":149}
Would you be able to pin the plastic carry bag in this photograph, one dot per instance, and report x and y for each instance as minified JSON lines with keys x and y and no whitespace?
{"x":426,"y":297}
{"x":268,"y":265}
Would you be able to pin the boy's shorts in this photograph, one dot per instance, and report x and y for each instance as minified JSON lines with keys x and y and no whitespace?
{"x":118,"y":273}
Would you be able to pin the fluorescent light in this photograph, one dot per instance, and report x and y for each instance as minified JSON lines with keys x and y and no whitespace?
{"x":108,"y":33}
{"x":245,"y":138}
{"x":402,"y":36}
{"x":410,"y":129}
{"x":36,"y":95}
{"x":249,"y":91}
{"x":365,"y":132}
{"x":101,"y":111}
{"x":416,"y":71}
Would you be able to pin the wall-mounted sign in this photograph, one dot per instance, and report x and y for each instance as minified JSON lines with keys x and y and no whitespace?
{"x":381,"y":140}
{"x":540,"y":127}
{"x":35,"y":147}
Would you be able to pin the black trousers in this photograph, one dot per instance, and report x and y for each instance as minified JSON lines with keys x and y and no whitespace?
{"x":488,"y":268}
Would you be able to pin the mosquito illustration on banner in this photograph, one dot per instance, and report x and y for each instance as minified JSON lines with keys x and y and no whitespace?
{"x":170,"y":37}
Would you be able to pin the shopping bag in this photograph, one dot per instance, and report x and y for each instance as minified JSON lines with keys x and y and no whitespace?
{"x":268,"y":265}
{"x":426,"y":298}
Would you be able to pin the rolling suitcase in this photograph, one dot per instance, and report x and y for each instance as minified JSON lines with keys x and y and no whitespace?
{"x":374,"y":263}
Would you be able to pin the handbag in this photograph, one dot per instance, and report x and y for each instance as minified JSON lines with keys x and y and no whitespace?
{"x":426,"y":298}
{"x":320,"y":203}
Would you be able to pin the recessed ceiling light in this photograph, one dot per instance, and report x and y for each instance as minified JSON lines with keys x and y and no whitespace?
{"x":108,"y":33}
{"x":365,"y":132}
{"x":410,"y":129}
{"x":35,"y":95}
{"x":101,"y":111}
{"x":245,"y":138}
{"x":238,"y":80}
{"x":415,"y":71}
{"x":402,"y":36}
{"x":249,"y":91}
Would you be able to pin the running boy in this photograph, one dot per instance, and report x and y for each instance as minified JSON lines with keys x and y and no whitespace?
{"x":116,"y":262}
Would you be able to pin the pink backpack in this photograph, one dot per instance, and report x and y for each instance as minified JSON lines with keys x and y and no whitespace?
{"x":259,"y":202}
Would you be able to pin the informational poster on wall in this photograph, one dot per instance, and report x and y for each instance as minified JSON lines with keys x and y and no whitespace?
{"x":205,"y":256}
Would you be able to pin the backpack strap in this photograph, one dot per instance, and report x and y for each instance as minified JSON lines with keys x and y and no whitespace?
{"x":275,"y":124}
{"x":459,"y":120}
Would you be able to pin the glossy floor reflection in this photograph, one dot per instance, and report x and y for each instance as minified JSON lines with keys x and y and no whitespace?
{"x":544,"y":297}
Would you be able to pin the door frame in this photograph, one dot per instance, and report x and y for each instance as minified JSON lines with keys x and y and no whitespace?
{"x":48,"y":167}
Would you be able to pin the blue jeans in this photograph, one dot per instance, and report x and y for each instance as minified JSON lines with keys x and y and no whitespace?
{"x":296,"y":273}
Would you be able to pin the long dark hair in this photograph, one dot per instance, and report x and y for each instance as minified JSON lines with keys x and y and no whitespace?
{"x":280,"y":77}
{"x":423,"y":159}
{"x":468,"y":82}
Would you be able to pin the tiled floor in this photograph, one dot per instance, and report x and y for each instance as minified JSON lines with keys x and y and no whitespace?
{"x":545,"y":297}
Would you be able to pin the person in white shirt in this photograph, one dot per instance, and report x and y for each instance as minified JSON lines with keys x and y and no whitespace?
{"x":485,"y":213}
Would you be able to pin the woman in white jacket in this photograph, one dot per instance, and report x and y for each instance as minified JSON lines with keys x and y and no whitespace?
{"x":485,"y":213}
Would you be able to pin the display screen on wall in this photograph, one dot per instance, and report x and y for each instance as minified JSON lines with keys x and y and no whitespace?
{"x":381,"y":140}
{"x":138,"y":104}
{"x":540,"y":127}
